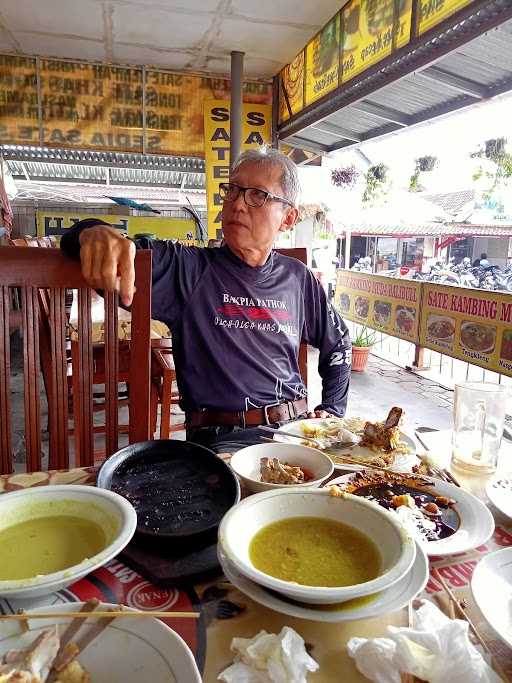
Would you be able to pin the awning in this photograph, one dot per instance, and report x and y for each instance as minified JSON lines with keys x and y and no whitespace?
{"x":427,"y":230}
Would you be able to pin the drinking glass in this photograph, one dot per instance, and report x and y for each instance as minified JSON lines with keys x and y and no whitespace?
{"x":479,"y":418}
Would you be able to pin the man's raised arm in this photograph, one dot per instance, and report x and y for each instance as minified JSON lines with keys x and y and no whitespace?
{"x":107,"y":257}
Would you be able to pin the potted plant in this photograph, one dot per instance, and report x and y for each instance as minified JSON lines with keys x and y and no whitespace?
{"x":344,"y":177}
{"x":376,"y":181}
{"x":361,"y":347}
{"x":422,"y":165}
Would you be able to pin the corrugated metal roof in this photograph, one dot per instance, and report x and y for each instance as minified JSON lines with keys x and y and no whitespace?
{"x":79,"y":166}
{"x":389,"y":99}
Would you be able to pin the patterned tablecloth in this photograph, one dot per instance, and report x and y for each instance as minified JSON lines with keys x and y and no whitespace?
{"x":225,"y":612}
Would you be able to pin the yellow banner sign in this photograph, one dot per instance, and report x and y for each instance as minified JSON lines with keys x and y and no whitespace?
{"x":291,"y":88}
{"x":371,"y":31}
{"x":164,"y":227}
{"x":386,"y":304}
{"x":322,"y":61}
{"x":434,"y":11}
{"x":256,"y":131}
{"x":19,"y":110}
{"x":469,"y":324}
{"x":100,"y":107}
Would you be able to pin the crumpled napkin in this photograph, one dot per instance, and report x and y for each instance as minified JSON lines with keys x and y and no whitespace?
{"x":436,"y":650}
{"x":269,"y":658}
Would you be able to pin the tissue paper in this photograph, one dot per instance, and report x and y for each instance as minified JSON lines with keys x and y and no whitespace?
{"x":436,"y":650}
{"x":269,"y":658}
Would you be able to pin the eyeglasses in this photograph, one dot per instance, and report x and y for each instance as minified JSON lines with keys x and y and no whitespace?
{"x":253,"y":196}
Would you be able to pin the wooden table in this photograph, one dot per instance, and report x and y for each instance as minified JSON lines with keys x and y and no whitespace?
{"x":225,"y":612}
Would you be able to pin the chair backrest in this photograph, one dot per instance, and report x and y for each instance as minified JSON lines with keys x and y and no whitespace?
{"x":301,"y":254}
{"x":53,"y":272}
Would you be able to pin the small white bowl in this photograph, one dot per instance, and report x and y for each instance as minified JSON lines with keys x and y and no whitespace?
{"x":396,"y":547}
{"x":115,"y":515}
{"x":246,"y":464}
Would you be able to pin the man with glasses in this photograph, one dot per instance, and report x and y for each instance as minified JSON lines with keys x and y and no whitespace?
{"x":238,"y":312}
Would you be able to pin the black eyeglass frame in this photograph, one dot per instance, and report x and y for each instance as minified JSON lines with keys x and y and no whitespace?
{"x":268,"y":195}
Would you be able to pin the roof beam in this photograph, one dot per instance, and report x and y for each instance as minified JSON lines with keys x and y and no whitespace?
{"x":459,"y":83}
{"x":381,"y":130}
{"x":382,"y":112}
{"x":333,"y":129}
{"x":303,"y":143}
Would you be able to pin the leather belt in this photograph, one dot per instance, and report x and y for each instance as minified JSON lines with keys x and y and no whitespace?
{"x":275,"y":412}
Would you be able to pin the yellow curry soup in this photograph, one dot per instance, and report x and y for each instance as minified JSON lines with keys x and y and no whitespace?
{"x":312,"y":551}
{"x":45,"y":545}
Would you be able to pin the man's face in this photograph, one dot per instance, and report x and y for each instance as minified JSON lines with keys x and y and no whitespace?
{"x":249,"y":228}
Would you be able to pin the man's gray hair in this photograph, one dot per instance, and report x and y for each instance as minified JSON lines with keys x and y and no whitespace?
{"x":273,"y":157}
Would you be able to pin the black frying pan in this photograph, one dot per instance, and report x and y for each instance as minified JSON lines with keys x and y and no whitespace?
{"x":179,"y":489}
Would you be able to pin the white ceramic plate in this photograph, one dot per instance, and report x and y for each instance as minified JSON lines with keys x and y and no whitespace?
{"x":389,"y":600}
{"x":476,"y":522}
{"x":128,"y":651}
{"x":404,"y":462}
{"x":499,"y":490}
{"x":491,"y":586}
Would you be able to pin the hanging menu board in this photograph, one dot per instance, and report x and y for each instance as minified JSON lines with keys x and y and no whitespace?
{"x":473,"y":325}
{"x":322,"y":61}
{"x":371,"y":30}
{"x":100,"y":106}
{"x":91,"y":106}
{"x":431,"y":13}
{"x":386,"y":304}
{"x":291,"y":87}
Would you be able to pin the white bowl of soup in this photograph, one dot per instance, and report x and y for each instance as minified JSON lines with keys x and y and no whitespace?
{"x":315,"y":547}
{"x":51,"y":536}
{"x":314,"y":465}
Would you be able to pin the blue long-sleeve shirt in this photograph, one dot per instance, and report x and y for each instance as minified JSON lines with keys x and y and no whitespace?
{"x":237,"y":329}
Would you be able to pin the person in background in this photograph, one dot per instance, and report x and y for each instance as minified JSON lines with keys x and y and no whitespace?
{"x":238,"y":312}
{"x":478,"y":261}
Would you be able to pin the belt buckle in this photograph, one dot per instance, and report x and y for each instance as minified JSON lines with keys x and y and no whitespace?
{"x":265,"y":412}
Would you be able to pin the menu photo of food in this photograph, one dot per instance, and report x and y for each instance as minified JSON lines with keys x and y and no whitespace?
{"x":440,"y":330}
{"x":381,"y":312}
{"x":405,"y":319}
{"x":381,"y":13}
{"x":344,"y":303}
{"x":362,"y":306}
{"x":506,"y":345}
{"x":326,"y":48}
{"x":477,"y":337}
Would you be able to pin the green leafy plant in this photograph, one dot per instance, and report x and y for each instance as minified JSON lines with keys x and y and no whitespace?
{"x":494,"y":150}
{"x":422,"y":165}
{"x":364,"y":337}
{"x":376,"y":181}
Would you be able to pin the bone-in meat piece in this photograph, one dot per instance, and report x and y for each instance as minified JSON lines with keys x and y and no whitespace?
{"x":273,"y":472}
{"x":383,"y":436}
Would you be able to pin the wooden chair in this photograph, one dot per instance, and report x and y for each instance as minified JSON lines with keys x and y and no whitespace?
{"x":164,"y":376}
{"x":164,"y":373}
{"x":53,"y":272}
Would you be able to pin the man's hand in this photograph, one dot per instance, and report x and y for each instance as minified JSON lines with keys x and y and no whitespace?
{"x":108,"y":261}
{"x":319,"y":413}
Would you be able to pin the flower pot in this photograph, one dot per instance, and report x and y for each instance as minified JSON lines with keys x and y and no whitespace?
{"x":360,"y":358}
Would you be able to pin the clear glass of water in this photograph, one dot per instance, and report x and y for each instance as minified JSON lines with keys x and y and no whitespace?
{"x":478,"y":421}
